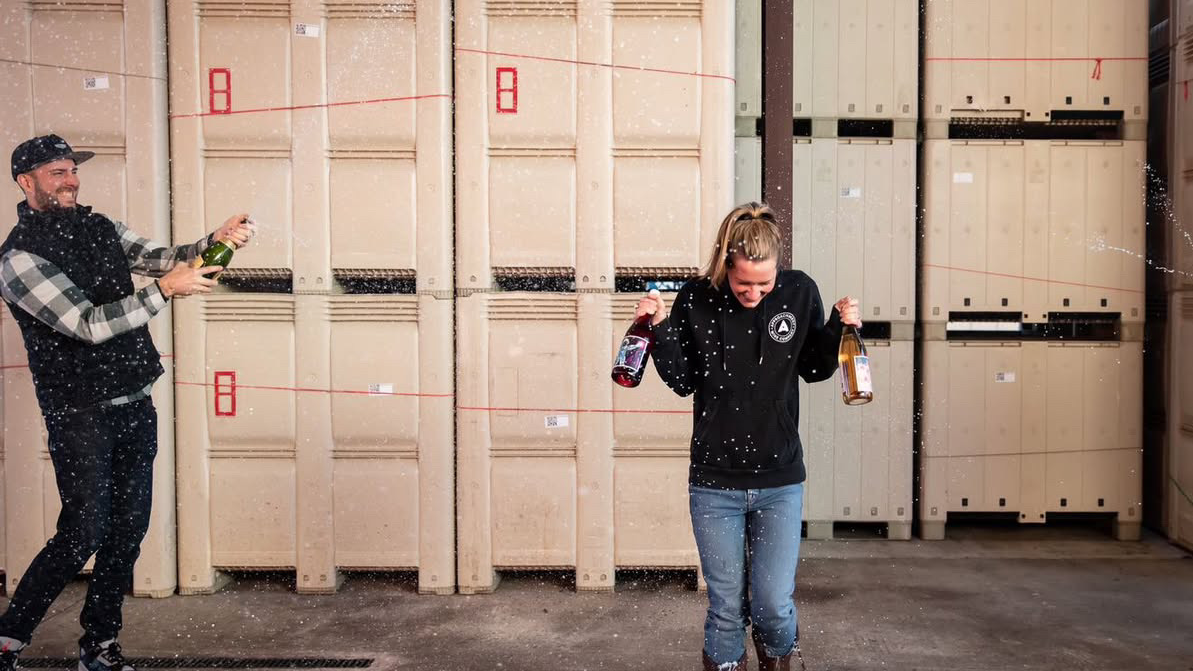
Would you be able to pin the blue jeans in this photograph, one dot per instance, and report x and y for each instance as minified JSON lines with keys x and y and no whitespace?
{"x":724,"y":521}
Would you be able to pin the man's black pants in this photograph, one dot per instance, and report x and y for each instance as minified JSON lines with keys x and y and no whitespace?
{"x":103,"y":462}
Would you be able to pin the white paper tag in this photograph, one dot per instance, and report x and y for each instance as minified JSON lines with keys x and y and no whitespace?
{"x":963,"y":178}
{"x":95,"y":83}
{"x":851,"y":192}
{"x":862,"y":365}
{"x":381,"y":388}
{"x":1008,"y":376}
{"x":306,"y":29}
{"x":555,"y":421}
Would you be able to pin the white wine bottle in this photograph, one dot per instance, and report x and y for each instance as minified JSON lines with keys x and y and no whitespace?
{"x":856,"y":388}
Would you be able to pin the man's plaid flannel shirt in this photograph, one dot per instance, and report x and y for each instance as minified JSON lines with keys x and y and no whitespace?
{"x":41,"y":289}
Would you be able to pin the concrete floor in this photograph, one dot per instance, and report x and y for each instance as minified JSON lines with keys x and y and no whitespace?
{"x":1064,"y":597}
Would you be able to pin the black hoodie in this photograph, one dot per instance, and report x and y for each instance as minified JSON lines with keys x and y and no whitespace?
{"x":742,"y":364}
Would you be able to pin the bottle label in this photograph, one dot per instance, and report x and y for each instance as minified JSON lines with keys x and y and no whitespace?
{"x":632,"y":354}
{"x":861,"y":364}
{"x":861,"y":368}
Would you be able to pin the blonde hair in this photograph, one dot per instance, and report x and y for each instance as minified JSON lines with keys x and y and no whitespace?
{"x":749,"y":231}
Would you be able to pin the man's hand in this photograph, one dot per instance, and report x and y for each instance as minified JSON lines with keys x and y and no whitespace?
{"x":652,"y":304}
{"x":184,"y":280}
{"x":236,"y":231}
{"x":851,"y":315}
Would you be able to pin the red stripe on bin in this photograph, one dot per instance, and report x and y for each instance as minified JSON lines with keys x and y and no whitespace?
{"x":1032,"y":279}
{"x":613,"y":66}
{"x":1097,"y":61}
{"x":289,"y":108}
{"x":468,"y":408}
{"x":72,"y":68}
{"x":315,"y":390}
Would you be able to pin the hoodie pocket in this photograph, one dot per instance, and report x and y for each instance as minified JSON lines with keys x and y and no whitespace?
{"x":700,"y":431}
{"x":745,"y":435}
{"x":785,"y":418}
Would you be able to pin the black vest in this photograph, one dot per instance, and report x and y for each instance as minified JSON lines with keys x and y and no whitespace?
{"x":70,"y":374}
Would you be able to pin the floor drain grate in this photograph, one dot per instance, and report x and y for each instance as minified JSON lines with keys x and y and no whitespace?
{"x":212,"y":663}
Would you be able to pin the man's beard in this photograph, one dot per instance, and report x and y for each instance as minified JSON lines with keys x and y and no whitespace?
{"x":44,"y":200}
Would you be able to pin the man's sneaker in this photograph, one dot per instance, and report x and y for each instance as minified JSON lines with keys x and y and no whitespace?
{"x":105,"y":656}
{"x":9,"y":649}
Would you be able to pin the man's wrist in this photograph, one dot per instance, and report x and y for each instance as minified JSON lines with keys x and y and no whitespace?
{"x":162,"y":289}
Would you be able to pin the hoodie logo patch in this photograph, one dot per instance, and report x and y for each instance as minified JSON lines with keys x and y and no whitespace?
{"x":782,"y":327}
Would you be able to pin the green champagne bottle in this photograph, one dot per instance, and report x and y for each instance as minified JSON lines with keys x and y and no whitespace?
{"x":218,"y":254}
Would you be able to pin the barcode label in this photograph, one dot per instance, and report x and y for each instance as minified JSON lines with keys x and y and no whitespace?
{"x":555,"y":421}
{"x":851,"y":192}
{"x":1008,"y":376}
{"x":963,"y":178}
{"x":306,"y":30}
{"x":381,"y":389}
{"x":95,"y":83}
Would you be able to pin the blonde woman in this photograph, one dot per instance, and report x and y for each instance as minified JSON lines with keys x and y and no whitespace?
{"x":736,"y":338}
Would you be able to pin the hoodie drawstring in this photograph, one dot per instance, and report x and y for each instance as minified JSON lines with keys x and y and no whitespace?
{"x":760,"y":326}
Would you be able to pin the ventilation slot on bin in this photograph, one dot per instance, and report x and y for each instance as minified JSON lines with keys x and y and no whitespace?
{"x":638,"y":280}
{"x":259,"y":280}
{"x":990,"y":325}
{"x":1064,"y":125}
{"x":1091,"y":326}
{"x":539,"y":279}
{"x":875,"y":330}
{"x":879,"y":128}
{"x":375,"y":280}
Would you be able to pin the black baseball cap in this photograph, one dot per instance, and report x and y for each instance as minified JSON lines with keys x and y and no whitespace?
{"x":41,"y":150}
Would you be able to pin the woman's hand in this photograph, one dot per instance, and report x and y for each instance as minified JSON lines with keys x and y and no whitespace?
{"x":851,"y":314}
{"x":652,"y":304}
